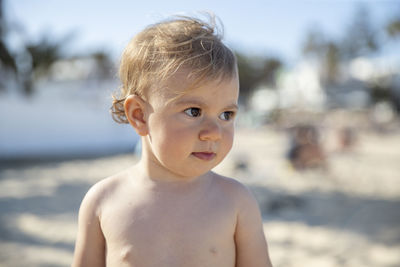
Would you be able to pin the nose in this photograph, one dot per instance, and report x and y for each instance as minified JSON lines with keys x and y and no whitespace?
{"x":210,"y":131}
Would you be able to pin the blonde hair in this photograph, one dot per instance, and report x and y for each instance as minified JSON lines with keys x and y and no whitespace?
{"x":160,"y":50}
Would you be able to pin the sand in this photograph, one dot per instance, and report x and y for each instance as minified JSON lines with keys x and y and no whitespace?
{"x":347,"y":215}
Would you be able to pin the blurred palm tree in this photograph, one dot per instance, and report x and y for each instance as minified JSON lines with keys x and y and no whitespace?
{"x":42,"y":55}
{"x":325,"y":52}
{"x":105,"y":65}
{"x":7,"y":61}
{"x":360,"y":39}
{"x":393,"y":28}
{"x":35,"y":59}
{"x":254,"y":72}
{"x":314,"y":44}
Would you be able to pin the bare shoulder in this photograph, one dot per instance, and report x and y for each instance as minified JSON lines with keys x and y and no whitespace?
{"x":250,"y":242}
{"x":238,"y":192}
{"x":100,"y":191}
{"x":90,"y":242}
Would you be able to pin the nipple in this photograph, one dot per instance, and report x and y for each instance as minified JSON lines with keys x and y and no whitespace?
{"x":213,"y":251}
{"x":126,"y":253}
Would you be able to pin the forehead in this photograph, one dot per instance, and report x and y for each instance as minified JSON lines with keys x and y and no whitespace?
{"x":179,"y":87}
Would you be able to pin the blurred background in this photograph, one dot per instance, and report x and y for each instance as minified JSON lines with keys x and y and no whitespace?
{"x":318,"y":134}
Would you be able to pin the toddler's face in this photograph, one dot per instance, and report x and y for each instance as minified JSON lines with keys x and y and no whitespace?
{"x":190,"y":134}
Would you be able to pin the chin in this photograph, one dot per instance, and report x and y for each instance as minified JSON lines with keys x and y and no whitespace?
{"x":192,"y":168}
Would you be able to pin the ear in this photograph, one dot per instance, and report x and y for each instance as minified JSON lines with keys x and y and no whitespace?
{"x":135,"y":113}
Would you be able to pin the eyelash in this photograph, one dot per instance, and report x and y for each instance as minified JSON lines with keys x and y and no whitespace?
{"x":189,"y":113}
{"x":231,"y":114}
{"x":197,"y":113}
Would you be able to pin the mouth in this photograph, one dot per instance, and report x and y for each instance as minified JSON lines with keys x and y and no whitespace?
{"x":207,"y":156}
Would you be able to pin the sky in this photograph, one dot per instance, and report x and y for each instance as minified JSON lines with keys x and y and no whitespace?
{"x":274,"y":28}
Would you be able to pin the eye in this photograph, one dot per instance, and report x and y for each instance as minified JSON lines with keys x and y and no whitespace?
{"x":193,"y":112}
{"x":227,"y":115}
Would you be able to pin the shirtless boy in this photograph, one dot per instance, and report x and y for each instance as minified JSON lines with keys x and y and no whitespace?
{"x":179,"y":92}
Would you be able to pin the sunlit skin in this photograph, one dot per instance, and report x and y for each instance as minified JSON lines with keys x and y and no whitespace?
{"x":170,"y":209}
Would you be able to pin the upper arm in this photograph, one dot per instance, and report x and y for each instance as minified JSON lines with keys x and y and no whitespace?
{"x":90,"y":243}
{"x":251,"y":245}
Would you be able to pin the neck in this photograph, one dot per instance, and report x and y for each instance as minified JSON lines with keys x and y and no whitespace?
{"x":153,"y":181}
{"x":155,"y":173}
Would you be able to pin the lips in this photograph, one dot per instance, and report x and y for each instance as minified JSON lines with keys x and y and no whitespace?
{"x":204,"y":155}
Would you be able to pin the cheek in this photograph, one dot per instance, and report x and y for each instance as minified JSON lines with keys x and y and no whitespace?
{"x":171,"y":137}
{"x":228,"y":139}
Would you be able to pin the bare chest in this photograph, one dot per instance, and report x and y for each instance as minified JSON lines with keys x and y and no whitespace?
{"x":165,"y":231}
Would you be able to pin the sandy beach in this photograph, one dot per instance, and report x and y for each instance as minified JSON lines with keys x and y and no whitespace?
{"x":346,"y":215}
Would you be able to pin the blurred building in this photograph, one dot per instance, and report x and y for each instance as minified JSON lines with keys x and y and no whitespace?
{"x":300,"y":87}
{"x":68,"y":115}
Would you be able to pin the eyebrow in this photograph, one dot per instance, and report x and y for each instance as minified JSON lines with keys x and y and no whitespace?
{"x":232,"y":106}
{"x":201,"y":103}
